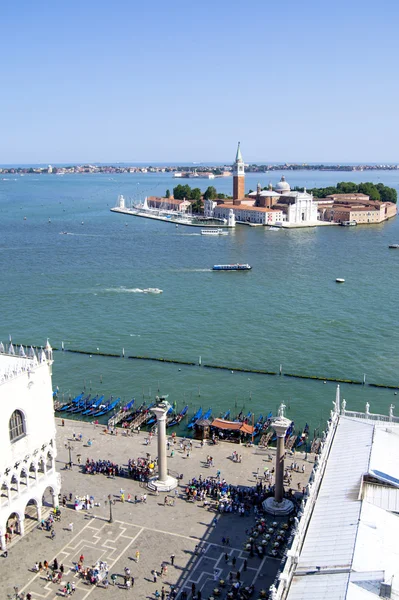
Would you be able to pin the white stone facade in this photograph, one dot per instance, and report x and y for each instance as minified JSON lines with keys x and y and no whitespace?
{"x":27,"y":434}
{"x":302,"y":210}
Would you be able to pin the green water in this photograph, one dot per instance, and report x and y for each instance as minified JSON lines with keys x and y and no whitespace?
{"x":82,"y":289}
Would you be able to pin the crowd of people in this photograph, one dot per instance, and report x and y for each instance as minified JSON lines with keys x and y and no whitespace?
{"x":140,"y":469}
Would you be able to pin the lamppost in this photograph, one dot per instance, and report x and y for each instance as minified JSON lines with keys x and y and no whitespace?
{"x":110,"y":509}
{"x":69,"y":448}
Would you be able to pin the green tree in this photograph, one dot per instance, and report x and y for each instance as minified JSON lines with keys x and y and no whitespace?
{"x":369,"y":189}
{"x":167,"y":195}
{"x":387,"y":194}
{"x":197,"y":206}
{"x":210,"y":193}
{"x":347,"y":187}
{"x":182,"y":191}
{"x":221,"y":196}
{"x":196,"y":194}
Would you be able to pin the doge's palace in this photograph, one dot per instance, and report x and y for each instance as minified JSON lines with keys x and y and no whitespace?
{"x":28,"y":478}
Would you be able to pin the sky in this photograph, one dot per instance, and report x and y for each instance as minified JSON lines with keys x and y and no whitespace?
{"x":129,"y":81}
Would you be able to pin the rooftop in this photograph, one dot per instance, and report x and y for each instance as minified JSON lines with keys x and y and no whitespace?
{"x":350,"y":545}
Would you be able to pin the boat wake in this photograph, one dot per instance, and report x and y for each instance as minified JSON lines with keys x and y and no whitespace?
{"x":123,"y":290}
{"x":192,"y":270}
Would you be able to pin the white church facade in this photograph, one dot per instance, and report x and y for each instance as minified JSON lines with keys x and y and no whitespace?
{"x":28,"y":477}
{"x":274,"y":207}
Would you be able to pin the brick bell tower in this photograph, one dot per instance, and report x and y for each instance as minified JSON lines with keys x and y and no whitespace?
{"x":238,"y":176}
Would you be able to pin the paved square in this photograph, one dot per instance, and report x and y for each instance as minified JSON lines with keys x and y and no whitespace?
{"x":155,"y":530}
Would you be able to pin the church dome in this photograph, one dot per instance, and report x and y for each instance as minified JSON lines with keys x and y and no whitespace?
{"x":283,"y":187}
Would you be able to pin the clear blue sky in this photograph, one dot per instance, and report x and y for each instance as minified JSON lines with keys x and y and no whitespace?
{"x":183,"y":81}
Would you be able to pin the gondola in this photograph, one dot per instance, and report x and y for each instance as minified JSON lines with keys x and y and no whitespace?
{"x":79,"y":405}
{"x":178,"y":417}
{"x":83,"y":404}
{"x":303,"y":437}
{"x":96,"y":403}
{"x":71,"y":404}
{"x":107,"y":409}
{"x":195,"y":418}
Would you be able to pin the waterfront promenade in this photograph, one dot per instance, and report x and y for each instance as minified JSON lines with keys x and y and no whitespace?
{"x":186,"y":529}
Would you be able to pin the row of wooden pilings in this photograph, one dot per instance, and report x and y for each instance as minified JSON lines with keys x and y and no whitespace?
{"x":224,"y":367}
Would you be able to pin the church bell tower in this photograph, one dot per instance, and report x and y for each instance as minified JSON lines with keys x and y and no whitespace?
{"x":238,"y":176}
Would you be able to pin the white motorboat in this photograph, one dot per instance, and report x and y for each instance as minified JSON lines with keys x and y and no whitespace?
{"x":217,"y":231}
{"x":152,"y":291}
{"x":339,"y":280}
{"x":272,"y":228}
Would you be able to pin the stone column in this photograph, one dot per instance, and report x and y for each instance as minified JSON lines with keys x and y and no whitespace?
{"x":279,"y":473}
{"x":163,"y":482}
{"x":279,"y":505}
{"x":162,"y":460}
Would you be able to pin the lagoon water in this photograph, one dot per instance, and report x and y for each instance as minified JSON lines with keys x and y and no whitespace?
{"x":84,"y":289}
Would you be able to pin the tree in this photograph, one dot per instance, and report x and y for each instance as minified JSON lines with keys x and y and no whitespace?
{"x":221,"y":196}
{"x":387,"y":194}
{"x":197,"y":206}
{"x":182,"y":191}
{"x":196,"y":194}
{"x":167,"y":195}
{"x":369,"y":189}
{"x":210,"y":193}
{"x":347,"y":187}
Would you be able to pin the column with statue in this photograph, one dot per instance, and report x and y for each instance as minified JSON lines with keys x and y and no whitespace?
{"x":278,"y":505}
{"x":162,"y":482}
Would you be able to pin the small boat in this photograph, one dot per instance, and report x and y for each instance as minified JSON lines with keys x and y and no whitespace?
{"x":72,"y":404}
{"x":107,"y":409}
{"x":178,"y":417}
{"x":85,"y":404}
{"x":303,"y":437}
{"x":207,"y":414}
{"x":258,"y":425}
{"x":395,"y":246}
{"x":95,"y":404}
{"x":226,"y":415}
{"x":339,"y":280}
{"x":349,"y":223}
{"x":195,"y":418}
{"x":217,"y":231}
{"x":236,"y":267}
{"x":152,"y":291}
{"x":272,"y":228}
{"x":80,"y":405}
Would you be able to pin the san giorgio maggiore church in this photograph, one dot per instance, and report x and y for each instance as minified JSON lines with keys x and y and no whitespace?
{"x":275,"y":207}
{"x":28,"y":478}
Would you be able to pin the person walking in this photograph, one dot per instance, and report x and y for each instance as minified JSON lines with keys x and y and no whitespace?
{"x":163,"y":593}
{"x":245,"y":564}
{"x":71,"y":527}
{"x":172,"y":559}
{"x":155,"y":575}
{"x":137,"y":556}
{"x":233,"y":561}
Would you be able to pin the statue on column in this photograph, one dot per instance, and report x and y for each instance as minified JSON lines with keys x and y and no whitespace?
{"x":281,"y":409}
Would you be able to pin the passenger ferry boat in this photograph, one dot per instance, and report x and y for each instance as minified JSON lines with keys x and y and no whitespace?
{"x":236,"y":267}
{"x":217,"y":231}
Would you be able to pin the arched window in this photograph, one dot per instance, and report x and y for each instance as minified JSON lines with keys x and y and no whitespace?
{"x":17,"y":426}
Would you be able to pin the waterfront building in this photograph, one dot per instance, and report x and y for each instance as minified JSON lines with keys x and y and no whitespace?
{"x":355,"y":207}
{"x":245,"y":213}
{"x":168,"y":204}
{"x":345,"y":543}
{"x":28,"y":477}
